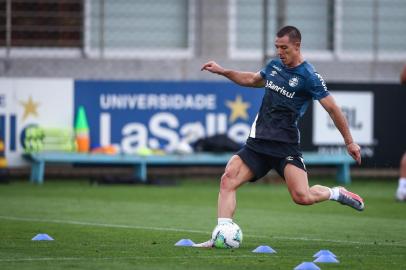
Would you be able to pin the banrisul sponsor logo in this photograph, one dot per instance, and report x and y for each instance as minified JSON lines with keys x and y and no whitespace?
{"x":280,"y":90}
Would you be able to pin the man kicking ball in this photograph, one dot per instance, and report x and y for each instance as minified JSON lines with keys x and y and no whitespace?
{"x":291,"y":83}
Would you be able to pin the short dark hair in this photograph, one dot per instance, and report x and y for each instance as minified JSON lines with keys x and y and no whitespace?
{"x":291,"y":31}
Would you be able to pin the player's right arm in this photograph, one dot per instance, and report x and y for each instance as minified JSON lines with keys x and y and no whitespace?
{"x":340,"y":122}
{"x":250,"y":79}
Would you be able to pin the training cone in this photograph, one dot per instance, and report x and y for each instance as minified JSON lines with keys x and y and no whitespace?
{"x":42,"y":237}
{"x":81,"y":120}
{"x":82,"y":131}
{"x":324,"y":252}
{"x":307,"y":266}
{"x":184,"y":243}
{"x":264,"y":249}
{"x":326,"y":259}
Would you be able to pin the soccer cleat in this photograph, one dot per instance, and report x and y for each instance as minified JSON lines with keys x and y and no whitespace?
{"x":351,"y":199}
{"x":207,"y":244}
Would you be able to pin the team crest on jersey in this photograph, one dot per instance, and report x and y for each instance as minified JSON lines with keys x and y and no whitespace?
{"x":293,"y":82}
{"x":273,"y":73}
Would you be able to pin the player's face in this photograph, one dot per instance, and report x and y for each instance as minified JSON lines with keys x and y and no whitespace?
{"x":288,"y":52}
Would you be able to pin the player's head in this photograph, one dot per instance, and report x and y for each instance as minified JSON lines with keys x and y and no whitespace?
{"x":287,"y":45}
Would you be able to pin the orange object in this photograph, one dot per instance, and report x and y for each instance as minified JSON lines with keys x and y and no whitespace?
{"x":83,"y":143}
{"x":108,"y":149}
{"x":82,"y":131}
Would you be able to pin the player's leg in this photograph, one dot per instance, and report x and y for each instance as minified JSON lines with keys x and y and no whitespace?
{"x":401,"y":190}
{"x":297,"y":182}
{"x":298,"y":186}
{"x":247,"y":165}
{"x":236,"y":173}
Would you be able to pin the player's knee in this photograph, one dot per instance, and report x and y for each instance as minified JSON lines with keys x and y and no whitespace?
{"x":227,"y":180}
{"x":302,"y":198}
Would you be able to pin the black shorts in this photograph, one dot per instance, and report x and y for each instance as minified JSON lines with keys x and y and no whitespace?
{"x":260,"y":164}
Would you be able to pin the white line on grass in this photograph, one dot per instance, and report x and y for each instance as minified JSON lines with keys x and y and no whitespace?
{"x":129,"y":258}
{"x":166,"y":257}
{"x":73,"y":222}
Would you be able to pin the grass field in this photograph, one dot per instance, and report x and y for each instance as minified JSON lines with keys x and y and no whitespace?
{"x":136,"y":227}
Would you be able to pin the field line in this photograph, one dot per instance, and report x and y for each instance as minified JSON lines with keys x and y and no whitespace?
{"x":83,"y":223}
{"x":127,"y":258}
{"x":73,"y":222}
{"x":226,"y":256}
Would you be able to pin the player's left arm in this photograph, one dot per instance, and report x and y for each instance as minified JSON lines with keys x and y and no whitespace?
{"x":340,"y":122}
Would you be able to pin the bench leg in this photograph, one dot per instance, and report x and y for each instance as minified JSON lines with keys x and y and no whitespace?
{"x":37,"y":172}
{"x":343,"y":174}
{"x":140,"y":171}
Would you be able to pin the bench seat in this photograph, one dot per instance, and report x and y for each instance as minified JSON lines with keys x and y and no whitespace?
{"x":140,"y":163}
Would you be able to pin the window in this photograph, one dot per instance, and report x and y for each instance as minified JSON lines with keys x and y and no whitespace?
{"x":343,"y":28}
{"x":312,"y":17}
{"x":123,"y":28}
{"x":392,"y":26}
{"x":48,"y":23}
{"x":357,"y":26}
{"x":144,"y":28}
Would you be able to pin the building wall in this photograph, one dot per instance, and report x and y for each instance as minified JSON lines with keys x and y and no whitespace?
{"x":211,"y":41}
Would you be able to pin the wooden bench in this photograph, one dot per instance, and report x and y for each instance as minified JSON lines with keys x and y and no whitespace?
{"x":141,"y":163}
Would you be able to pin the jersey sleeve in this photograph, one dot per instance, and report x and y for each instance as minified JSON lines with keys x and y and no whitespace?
{"x":317,"y":86}
{"x":263,"y":71}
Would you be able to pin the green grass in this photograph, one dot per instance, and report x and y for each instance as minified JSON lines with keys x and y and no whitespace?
{"x":136,"y":227}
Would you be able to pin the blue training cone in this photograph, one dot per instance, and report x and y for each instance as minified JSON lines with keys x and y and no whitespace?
{"x":184,"y":243}
{"x":307,"y":266}
{"x":264,"y":249}
{"x":324,"y":252}
{"x":42,"y":237}
{"x":326,"y":259}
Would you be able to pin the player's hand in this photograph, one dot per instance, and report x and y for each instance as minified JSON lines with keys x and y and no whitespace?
{"x":355,"y":152}
{"x":213,"y":67}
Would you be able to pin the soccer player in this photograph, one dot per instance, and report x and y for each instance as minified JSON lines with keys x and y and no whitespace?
{"x":291,"y":83}
{"x":401,"y":190}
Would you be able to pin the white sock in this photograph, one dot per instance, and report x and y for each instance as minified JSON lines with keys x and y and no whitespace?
{"x":402,"y":183}
{"x":224,"y":220}
{"x":334,"y":193}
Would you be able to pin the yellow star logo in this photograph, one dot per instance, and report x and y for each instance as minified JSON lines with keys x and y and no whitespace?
{"x":238,"y":109}
{"x":30,"y":107}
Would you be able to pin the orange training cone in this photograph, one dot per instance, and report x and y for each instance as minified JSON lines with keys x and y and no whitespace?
{"x":82,"y":131}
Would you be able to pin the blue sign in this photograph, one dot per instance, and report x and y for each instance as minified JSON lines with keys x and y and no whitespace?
{"x":156,"y":114}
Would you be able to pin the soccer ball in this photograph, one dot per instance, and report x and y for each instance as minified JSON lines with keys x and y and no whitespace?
{"x":227,"y":235}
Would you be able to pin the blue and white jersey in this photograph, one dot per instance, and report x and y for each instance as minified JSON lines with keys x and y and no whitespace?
{"x":288,"y":92}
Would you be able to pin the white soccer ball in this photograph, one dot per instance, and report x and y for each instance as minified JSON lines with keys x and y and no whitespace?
{"x":227,"y":235}
{"x":401,"y":194}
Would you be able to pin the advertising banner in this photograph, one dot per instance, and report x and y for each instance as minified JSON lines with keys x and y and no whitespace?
{"x":134,"y":114}
{"x":358,"y":108}
{"x":27,"y":102}
{"x":159,"y":114}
